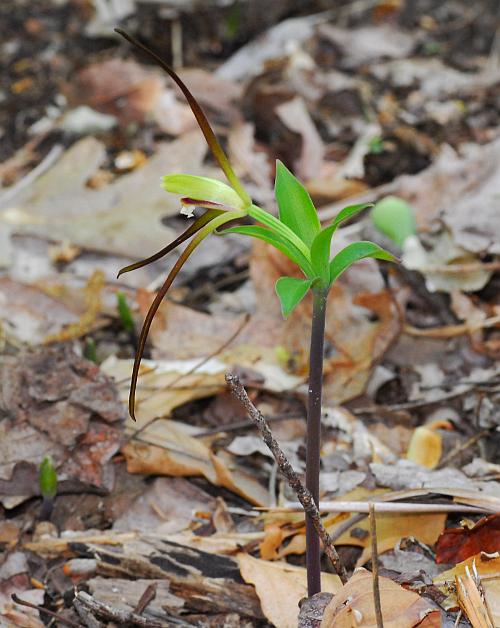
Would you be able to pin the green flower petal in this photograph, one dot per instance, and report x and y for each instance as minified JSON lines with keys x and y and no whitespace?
{"x":202,"y":189}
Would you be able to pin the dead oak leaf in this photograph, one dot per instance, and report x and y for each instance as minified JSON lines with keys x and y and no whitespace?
{"x":280,"y":587}
{"x":457,"y":544}
{"x":354,"y":606}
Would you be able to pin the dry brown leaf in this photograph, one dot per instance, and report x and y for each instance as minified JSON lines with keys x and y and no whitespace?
{"x":425,"y":447}
{"x":485,"y":565}
{"x":169,"y":448}
{"x":331,"y":186}
{"x":294,"y":114}
{"x":353,"y":605}
{"x":280,"y":587}
{"x":28,"y":314}
{"x":180,"y":332}
{"x":166,"y":384}
{"x":92,"y":293}
{"x":273,"y":537}
{"x":246,"y":160}
{"x":391,"y":528}
{"x":491,"y":589}
{"x":122,"y":88}
{"x":459,"y":190}
{"x":228,"y":544}
{"x":123,"y":217}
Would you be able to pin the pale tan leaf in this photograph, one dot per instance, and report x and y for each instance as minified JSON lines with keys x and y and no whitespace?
{"x":353,"y":605}
{"x":169,"y":448}
{"x":425,"y":447}
{"x":391,"y":528}
{"x":280,"y":587}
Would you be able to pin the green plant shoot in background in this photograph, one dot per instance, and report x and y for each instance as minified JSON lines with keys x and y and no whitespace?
{"x":298,"y":234}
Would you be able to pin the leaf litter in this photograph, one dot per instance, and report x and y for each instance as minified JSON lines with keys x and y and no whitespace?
{"x":188,"y":500}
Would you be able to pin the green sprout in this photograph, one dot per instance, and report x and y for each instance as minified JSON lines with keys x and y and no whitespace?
{"x":47,"y":482}
{"x":90,"y":351}
{"x":394,"y":217}
{"x":126,"y":317}
{"x":376,"y":145}
{"x":298,"y":234}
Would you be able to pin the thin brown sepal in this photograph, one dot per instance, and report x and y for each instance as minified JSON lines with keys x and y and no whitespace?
{"x":199,"y":114}
{"x":141,"y":344}
{"x":193,"y":228}
{"x":199,"y":237}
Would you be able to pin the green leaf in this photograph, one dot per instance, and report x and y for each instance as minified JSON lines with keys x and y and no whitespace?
{"x":394,"y":217}
{"x":291,"y":291}
{"x":47,"y":478}
{"x":347,"y":212}
{"x":124,"y":311}
{"x":260,"y":215}
{"x":202,"y":189}
{"x":279,"y":243}
{"x":320,"y":254}
{"x":296,"y":209}
{"x":320,"y":248}
{"x":353,"y":253}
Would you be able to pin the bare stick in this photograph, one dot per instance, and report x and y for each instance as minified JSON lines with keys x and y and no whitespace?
{"x":118,"y":615}
{"x":376,"y":587}
{"x":397,"y":507}
{"x":41,"y":609}
{"x":303,"y":495}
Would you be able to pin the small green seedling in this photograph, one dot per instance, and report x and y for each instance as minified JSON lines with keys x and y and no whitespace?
{"x":47,"y":482}
{"x":90,"y":350}
{"x":298,"y":234}
{"x":124,"y":311}
{"x":376,"y":145}
{"x":394,"y":217}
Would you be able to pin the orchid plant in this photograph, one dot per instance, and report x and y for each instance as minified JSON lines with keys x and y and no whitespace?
{"x":297,"y":233}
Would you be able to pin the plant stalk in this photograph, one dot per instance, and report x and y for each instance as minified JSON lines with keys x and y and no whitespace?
{"x":313,"y":548}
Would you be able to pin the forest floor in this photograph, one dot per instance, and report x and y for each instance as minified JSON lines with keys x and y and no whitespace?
{"x":182,"y":518}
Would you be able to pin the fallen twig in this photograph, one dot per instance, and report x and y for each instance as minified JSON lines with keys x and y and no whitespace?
{"x":399,"y":507}
{"x":376,"y":587}
{"x":116,"y":614}
{"x":41,"y":609}
{"x":147,"y":597}
{"x":304,"y":496}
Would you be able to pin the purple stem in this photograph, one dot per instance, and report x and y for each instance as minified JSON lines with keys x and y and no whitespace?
{"x":313,"y":548}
